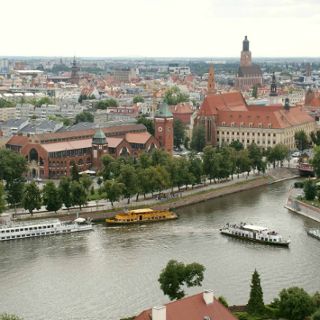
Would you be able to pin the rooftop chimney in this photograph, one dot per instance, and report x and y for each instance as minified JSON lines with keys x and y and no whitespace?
{"x":208,"y":296}
{"x":159,"y":313}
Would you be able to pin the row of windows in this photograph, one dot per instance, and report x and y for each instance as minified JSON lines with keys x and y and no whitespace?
{"x":27,"y":228}
{"x":247,"y":133}
{"x":248,"y":141}
{"x":250,"y":125}
{"x":32,"y":235}
{"x":70,"y":153}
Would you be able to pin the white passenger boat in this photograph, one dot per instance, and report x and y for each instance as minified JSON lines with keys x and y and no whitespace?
{"x":254,"y":233}
{"x":40,"y":228}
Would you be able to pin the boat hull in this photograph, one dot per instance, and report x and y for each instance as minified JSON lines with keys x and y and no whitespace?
{"x":111,"y":222}
{"x":50,"y":233}
{"x":277,"y":244}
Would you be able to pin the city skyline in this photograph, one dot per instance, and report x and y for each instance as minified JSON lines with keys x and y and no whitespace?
{"x":206,"y":28}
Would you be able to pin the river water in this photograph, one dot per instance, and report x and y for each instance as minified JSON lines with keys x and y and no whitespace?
{"x":112,"y":272}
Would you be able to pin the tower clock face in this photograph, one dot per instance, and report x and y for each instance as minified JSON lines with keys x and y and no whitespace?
{"x":160,"y":129}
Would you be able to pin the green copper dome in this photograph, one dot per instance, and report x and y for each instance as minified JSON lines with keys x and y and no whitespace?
{"x":164,"y":111}
{"x":99,"y":137}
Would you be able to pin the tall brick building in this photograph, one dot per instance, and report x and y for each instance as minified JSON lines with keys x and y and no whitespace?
{"x":52,"y":155}
{"x":249,"y":74}
{"x":226,"y":117}
{"x":163,"y":126}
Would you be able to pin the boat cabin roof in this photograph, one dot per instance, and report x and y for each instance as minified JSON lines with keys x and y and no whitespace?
{"x":145,"y":210}
{"x":252,"y":227}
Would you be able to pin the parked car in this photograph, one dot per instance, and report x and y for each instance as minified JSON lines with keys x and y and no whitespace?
{"x":296,"y":154}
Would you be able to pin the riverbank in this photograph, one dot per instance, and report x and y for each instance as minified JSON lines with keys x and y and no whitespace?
{"x":297,"y":206}
{"x":184,"y":198}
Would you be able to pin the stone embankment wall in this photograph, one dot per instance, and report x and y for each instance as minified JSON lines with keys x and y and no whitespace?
{"x":302,"y":208}
{"x":204,"y":193}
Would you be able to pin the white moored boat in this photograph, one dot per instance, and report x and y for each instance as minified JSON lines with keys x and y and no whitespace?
{"x":254,"y":233}
{"x":39,"y":228}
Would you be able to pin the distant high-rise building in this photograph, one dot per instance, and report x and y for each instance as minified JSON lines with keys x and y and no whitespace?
{"x":75,"y":72}
{"x":249,"y":74}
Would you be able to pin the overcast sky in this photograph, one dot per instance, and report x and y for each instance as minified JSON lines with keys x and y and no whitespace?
{"x":160,"y":28}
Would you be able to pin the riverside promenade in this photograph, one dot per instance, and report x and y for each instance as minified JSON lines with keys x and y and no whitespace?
{"x":102,"y":209}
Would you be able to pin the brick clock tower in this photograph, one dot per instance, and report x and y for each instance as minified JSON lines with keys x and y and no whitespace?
{"x":163,"y":126}
{"x":99,"y":148}
{"x":245,"y":59}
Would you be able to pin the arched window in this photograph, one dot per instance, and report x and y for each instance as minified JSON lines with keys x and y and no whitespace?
{"x":33,"y":155}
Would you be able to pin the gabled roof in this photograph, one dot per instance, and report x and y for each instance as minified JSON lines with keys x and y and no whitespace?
{"x":273,"y":117}
{"x":140,"y":138}
{"x":18,"y":141}
{"x":222,"y":101}
{"x":192,"y":308}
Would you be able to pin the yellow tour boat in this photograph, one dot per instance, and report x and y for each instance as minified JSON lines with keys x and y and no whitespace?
{"x":141,"y":216}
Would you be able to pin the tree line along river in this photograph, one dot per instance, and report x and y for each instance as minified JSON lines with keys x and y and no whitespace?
{"x":112,"y":272}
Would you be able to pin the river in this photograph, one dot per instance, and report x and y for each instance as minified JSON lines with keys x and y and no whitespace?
{"x":112,"y":272}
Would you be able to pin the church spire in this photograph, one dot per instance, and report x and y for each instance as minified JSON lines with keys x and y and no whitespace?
{"x":211,"y":81}
{"x":245,"y":44}
{"x":273,"y":87}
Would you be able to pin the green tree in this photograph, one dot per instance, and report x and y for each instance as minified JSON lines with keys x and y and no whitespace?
{"x":137,"y":99}
{"x":51,"y":197}
{"x":237,"y":145}
{"x":196,"y":168}
{"x":295,"y":304}
{"x":173,"y":96}
{"x":74,"y":172}
{"x":316,"y":160}
{"x":14,"y":190}
{"x":301,"y":139}
{"x":243,"y":162}
{"x":2,"y":197}
{"x":108,"y":165}
{"x":65,"y":192}
{"x":79,"y":195}
{"x":84,"y":116}
{"x":255,"y":156}
{"x":210,"y":165}
{"x":6,"y":104}
{"x":178,"y":132}
{"x":104,"y":104}
{"x":41,"y":101}
{"x":128,"y":178}
{"x":148,"y":123}
{"x":176,"y":274}
{"x":310,"y":190}
{"x":315,"y":137}
{"x":198,"y":140}
{"x":12,"y":165}
{"x":159,"y":157}
{"x":255,"y":91}
{"x":113,"y":190}
{"x":278,"y":153}
{"x":316,"y":315}
{"x":31,"y":197}
{"x":86,"y":181}
{"x":255,"y":303}
{"x":223,"y":301}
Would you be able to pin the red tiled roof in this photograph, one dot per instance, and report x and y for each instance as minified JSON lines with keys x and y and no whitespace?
{"x":113,"y":142}
{"x":141,"y":138}
{"x":258,"y":116}
{"x":18,"y":140}
{"x":222,"y":101}
{"x":192,"y":308}
{"x":84,"y":134}
{"x":68,"y":145}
